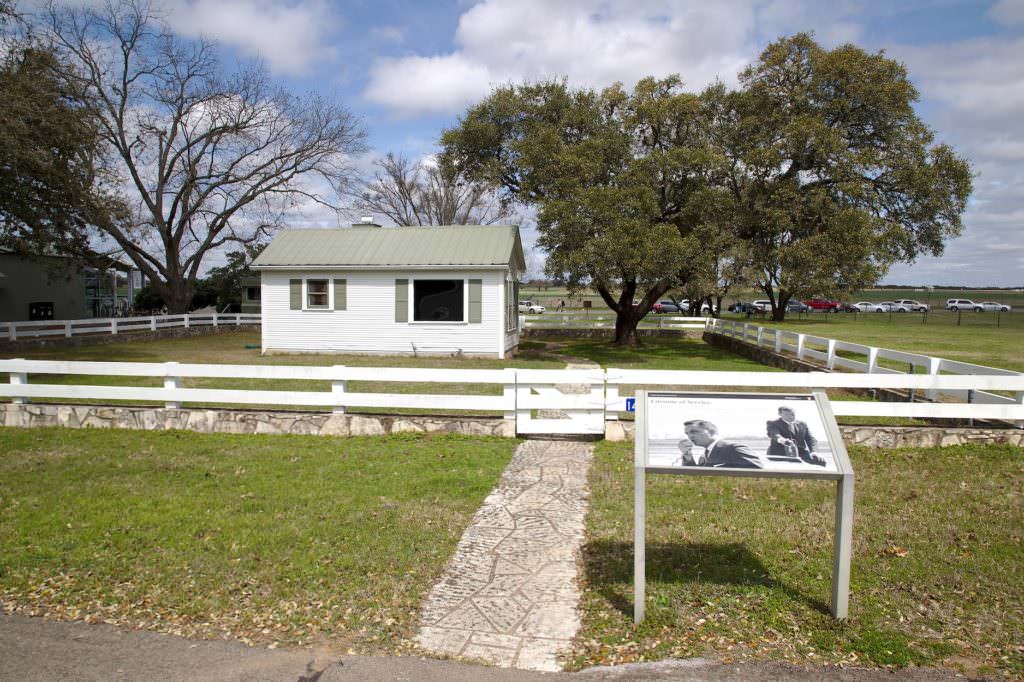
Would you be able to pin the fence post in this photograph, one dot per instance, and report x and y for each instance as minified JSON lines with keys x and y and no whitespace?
{"x":508,"y":392}
{"x":830,"y":361}
{"x":778,"y":341}
{"x":67,"y":329}
{"x":933,"y":369}
{"x":872,"y":360}
{"x":19,"y":379}
{"x":800,"y":338}
{"x":338,"y":388}
{"x":172,"y":381}
{"x":611,"y":397}
{"x":238,"y":320}
{"x":113,"y":326}
{"x":760,"y":335}
{"x":186,"y":321}
{"x":12,"y":334}
{"x":152,"y":323}
{"x":214,"y":319}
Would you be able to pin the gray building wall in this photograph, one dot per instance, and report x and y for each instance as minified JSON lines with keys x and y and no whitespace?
{"x":40,"y":280}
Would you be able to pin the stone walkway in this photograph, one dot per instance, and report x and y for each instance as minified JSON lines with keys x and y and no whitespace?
{"x":509,"y":596}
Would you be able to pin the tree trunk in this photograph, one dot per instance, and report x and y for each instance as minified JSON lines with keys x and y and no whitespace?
{"x":625,"y":328}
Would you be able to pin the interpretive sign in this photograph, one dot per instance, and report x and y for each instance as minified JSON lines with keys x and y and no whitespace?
{"x":743,"y":434}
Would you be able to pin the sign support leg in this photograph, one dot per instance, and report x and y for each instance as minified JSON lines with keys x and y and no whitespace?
{"x":843,"y":548}
{"x":639,"y":543}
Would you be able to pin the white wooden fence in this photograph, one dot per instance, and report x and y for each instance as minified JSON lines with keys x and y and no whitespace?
{"x":579,"y":400}
{"x":870,"y":359}
{"x":605,"y":320}
{"x":12,"y":331}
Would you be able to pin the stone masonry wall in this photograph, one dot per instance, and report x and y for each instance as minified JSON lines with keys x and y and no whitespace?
{"x":244,"y":421}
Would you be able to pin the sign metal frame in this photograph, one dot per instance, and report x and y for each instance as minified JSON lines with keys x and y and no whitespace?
{"x":843,"y":476}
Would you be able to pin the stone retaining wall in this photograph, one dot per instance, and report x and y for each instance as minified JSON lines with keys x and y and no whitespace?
{"x":9,"y":348}
{"x":318,"y":423}
{"x":887,"y":436}
{"x":245,"y":421}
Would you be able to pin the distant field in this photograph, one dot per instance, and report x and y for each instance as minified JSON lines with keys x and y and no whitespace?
{"x":935,"y":298}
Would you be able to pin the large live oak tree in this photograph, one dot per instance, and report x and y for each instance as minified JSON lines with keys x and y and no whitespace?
{"x":612,"y":174}
{"x":207,"y":159}
{"x":832,"y":174}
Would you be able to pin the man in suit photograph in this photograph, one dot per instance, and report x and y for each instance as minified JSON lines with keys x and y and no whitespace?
{"x":791,"y":440}
{"x":717,"y":451}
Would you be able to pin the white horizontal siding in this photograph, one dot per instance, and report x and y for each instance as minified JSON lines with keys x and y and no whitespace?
{"x":368,"y":324}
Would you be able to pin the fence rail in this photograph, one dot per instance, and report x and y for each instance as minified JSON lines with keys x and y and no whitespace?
{"x":581,"y":399}
{"x":869,"y":359}
{"x":12,"y":331}
{"x":604,"y":320}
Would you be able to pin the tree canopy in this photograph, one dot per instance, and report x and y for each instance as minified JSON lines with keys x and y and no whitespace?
{"x":206,"y":159}
{"x":812,"y":177}
{"x":613,"y":175}
{"x":832,"y":175}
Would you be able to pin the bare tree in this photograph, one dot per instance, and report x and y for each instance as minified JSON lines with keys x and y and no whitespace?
{"x":427,"y":194}
{"x":209,"y":159}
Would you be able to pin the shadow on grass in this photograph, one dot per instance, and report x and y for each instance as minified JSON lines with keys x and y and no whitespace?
{"x":655,"y":353}
{"x":609,"y":566}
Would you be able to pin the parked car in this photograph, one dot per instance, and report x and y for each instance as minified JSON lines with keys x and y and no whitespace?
{"x":665,"y":307}
{"x":823,"y":305}
{"x":993,"y":307}
{"x":762,"y":306}
{"x":797,"y":307}
{"x":868,"y":307}
{"x":738,"y":307}
{"x":909,"y":305}
{"x":888,"y":306}
{"x":955,"y":304}
{"x":530,"y":307}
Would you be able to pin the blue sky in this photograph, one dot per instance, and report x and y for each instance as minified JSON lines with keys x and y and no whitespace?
{"x":409,"y":68}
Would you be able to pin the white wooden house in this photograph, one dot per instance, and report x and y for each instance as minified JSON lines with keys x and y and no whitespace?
{"x":395,"y":290}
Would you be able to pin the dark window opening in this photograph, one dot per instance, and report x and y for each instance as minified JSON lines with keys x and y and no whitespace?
{"x":438,"y":300}
{"x":252,"y":293}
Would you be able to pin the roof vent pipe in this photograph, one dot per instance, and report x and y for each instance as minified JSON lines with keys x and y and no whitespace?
{"x":366,"y":221}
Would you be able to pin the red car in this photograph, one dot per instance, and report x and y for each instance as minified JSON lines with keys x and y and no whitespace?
{"x":824,"y":305}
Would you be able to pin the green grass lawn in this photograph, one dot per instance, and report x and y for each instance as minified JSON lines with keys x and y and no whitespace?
{"x":271,"y":539}
{"x":741,"y":568}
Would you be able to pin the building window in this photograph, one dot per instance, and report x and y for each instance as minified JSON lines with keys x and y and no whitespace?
{"x":317,"y":294}
{"x":438,"y":300}
{"x":252,"y":293}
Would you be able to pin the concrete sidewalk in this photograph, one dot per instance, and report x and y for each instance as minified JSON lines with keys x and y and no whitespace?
{"x":35,"y":649}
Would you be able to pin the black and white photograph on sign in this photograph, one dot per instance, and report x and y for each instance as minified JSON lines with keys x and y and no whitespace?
{"x":751,"y":431}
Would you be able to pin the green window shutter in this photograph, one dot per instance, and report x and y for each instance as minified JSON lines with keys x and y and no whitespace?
{"x":295,"y":294}
{"x":340,"y":294}
{"x":475,"y":299}
{"x":401,"y":300}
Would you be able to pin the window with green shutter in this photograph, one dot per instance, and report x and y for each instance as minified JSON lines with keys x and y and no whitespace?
{"x":401,"y":300}
{"x":475,"y":300}
{"x":340,"y":294}
{"x":295,"y":294}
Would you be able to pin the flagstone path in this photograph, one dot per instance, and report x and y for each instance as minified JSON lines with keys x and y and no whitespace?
{"x":509,"y":596}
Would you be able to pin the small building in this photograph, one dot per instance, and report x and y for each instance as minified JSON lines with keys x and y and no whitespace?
{"x":250,"y":295}
{"x":401,"y":290}
{"x":60,"y":288}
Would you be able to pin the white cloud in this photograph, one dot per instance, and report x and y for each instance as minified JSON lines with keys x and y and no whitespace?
{"x":290,"y":36}
{"x":593,"y":45}
{"x":1008,"y":12}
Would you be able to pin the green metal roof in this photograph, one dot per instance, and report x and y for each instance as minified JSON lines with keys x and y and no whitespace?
{"x":473,"y":245}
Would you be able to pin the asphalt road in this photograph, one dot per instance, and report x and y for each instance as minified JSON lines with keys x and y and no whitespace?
{"x":38,"y":649}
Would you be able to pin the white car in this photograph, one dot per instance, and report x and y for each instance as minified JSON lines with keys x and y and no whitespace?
{"x":909,"y":305}
{"x":992,"y":306}
{"x":868,"y":307}
{"x":764,"y":305}
{"x":956,"y":304}
{"x":530,"y":307}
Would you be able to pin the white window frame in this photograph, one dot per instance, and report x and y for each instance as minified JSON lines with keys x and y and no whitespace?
{"x":465,"y":300}
{"x":330,"y":294}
